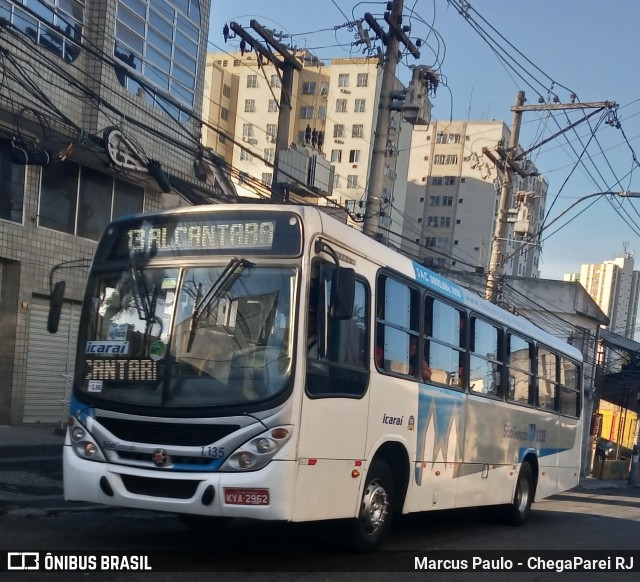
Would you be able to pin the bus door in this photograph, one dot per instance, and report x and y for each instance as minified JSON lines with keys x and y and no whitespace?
{"x":335,"y":402}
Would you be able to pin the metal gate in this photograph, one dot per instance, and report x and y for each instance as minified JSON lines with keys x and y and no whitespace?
{"x":50,"y":360}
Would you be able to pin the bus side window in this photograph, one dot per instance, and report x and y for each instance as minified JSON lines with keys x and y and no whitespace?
{"x":396,"y":327}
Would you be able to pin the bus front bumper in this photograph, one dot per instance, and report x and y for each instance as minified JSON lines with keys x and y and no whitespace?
{"x":264,"y":494}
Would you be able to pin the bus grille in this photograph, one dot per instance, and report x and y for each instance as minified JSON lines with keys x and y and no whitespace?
{"x":185,"y":435}
{"x":175,"y":459}
{"x":173,"y":488}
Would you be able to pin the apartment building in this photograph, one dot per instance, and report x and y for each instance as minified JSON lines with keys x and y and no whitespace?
{"x":99,"y":117}
{"x":452,"y":200}
{"x":334,"y":110}
{"x":615,"y":286}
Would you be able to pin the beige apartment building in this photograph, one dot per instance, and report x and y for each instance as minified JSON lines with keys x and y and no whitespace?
{"x":615,"y":286}
{"x":452,"y":200}
{"x":334,"y":113}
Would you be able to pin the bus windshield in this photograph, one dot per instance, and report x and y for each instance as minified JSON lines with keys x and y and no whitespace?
{"x":200,"y":336}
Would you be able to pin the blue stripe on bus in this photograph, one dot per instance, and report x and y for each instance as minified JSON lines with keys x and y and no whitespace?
{"x":522,"y":452}
{"x":438,"y":283}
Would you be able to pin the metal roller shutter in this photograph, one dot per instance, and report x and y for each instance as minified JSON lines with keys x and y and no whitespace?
{"x":49,"y":358}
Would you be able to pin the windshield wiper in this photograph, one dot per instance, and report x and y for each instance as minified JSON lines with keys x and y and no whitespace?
{"x":145,"y":305}
{"x":228,"y":276}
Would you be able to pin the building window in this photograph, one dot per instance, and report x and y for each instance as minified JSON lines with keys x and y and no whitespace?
{"x":309,"y":88}
{"x":447,"y":201}
{"x":439,"y":159}
{"x":46,"y":20}
{"x":354,"y":156}
{"x":336,"y":181}
{"x":445,"y":222}
{"x":362,"y":79}
{"x":343,"y":80}
{"x":249,"y":105}
{"x":252,"y":81}
{"x":273,"y":106}
{"x":336,"y":156}
{"x":434,"y":200}
{"x":357,"y":130}
{"x":245,"y":156}
{"x":226,"y":91}
{"x":159,"y":41}
{"x":267,"y":178}
{"x":272,"y":130}
{"x":432,"y":221}
{"x":322,"y":112}
{"x":360,"y":106}
{"x":443,"y":181}
{"x":341,"y":105}
{"x":352,"y":181}
{"x":82,"y":201}
{"x":11,"y":185}
{"x":338,"y":130}
{"x":224,"y":114}
{"x":247,"y":130}
{"x":306,"y":112}
{"x":275,"y":81}
{"x":269,"y":155}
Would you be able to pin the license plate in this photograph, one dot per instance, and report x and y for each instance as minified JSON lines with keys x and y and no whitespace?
{"x":234,"y":496}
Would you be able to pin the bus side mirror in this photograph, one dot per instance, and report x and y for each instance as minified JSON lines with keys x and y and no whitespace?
{"x":343,"y":289}
{"x":55,"y":306}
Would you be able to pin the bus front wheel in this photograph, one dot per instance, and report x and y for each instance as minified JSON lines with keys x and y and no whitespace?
{"x":376,"y":509}
{"x":518,"y":511}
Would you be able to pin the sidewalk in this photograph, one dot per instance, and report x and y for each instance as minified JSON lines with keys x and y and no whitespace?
{"x":30,"y":441}
{"x":47,"y":440}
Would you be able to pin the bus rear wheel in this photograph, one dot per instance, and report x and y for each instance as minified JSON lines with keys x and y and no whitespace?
{"x":518,"y":511}
{"x":366,"y":531}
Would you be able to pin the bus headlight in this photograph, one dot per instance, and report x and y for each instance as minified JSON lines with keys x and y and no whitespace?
{"x":257,"y":452}
{"x":83,"y":443}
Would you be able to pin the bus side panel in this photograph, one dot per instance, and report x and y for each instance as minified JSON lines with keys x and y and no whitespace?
{"x":439,"y":435}
{"x":569,"y":461}
{"x":332,"y":439}
{"x":326,"y":489}
{"x":487,"y":472}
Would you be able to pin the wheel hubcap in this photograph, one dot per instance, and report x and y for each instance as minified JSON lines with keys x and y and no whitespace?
{"x":523,"y":496}
{"x":375,"y":507}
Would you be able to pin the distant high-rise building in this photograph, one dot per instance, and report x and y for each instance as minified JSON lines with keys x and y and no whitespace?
{"x":452,"y":199}
{"x":615,"y":286}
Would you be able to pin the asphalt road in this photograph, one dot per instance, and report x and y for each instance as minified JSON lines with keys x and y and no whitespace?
{"x":34,"y":517}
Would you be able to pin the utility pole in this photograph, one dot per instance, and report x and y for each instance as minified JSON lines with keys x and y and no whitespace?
{"x":287,"y":64}
{"x":500,"y":230}
{"x":392,"y":39}
{"x":508,"y":165}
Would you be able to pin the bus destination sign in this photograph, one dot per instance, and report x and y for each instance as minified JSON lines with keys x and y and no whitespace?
{"x":205,"y":235}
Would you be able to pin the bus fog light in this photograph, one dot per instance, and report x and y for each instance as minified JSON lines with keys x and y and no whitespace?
{"x":245,"y":460}
{"x":90,"y":449}
{"x":263,"y":446}
{"x":77,"y":434}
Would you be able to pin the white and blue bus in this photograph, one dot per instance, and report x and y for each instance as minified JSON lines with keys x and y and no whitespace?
{"x":269,"y":362}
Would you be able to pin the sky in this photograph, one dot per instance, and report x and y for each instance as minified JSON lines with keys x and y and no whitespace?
{"x":546,"y":48}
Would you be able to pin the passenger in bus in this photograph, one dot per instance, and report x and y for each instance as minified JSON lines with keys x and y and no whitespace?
{"x":413,"y":360}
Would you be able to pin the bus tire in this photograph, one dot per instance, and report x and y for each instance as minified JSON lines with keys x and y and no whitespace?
{"x":519,"y":509}
{"x":366,"y":531}
{"x":204,"y":523}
